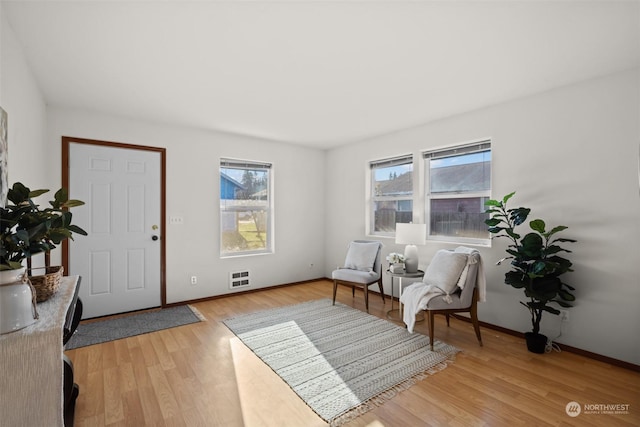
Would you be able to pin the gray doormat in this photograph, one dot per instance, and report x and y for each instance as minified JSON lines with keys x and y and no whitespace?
{"x":100,"y":331}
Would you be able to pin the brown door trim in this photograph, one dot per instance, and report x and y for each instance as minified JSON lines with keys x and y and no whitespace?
{"x":67,"y":140}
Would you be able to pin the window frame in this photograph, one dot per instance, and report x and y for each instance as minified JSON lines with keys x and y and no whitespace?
{"x":231,"y":163}
{"x":406,"y":159}
{"x":448,"y":152}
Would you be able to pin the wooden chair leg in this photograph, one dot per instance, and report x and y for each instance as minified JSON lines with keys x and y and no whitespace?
{"x":447,"y":316}
{"x":335,"y":289}
{"x":431,"y":320}
{"x":366,"y":297}
{"x":474,"y":320}
{"x":353,"y":291}
{"x":381,"y":291}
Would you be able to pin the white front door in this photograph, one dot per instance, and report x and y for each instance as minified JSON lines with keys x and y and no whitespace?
{"x":120,"y":259}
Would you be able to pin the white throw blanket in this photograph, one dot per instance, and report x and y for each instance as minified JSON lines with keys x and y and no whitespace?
{"x":481,"y":281}
{"x":416,"y":297}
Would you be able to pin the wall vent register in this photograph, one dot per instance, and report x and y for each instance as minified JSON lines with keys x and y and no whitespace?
{"x":239,"y":279}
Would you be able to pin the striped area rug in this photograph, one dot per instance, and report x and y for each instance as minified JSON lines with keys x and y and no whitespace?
{"x":341,"y":361}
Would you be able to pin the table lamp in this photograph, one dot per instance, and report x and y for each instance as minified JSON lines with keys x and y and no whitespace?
{"x":411,"y":235}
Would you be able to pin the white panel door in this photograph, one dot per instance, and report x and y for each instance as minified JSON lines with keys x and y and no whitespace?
{"x":119,"y":260}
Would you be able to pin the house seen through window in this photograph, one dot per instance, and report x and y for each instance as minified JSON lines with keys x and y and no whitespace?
{"x":458,"y":182}
{"x":245,"y":208}
{"x":391,"y":194}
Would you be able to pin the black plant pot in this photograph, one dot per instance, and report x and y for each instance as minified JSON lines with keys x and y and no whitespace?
{"x":536,"y":343}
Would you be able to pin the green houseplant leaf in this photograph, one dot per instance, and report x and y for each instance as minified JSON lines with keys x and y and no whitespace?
{"x":26,"y":229}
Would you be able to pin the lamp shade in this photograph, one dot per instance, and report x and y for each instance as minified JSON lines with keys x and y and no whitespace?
{"x":411,"y":234}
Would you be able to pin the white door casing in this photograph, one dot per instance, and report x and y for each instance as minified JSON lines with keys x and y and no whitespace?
{"x":120,"y":259}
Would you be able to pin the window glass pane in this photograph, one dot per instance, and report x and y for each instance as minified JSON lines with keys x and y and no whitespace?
{"x":244,"y":210}
{"x":458,"y":184}
{"x":391,"y":193}
{"x":463,"y":173}
{"x":459,"y":217}
{"x":388,"y":213}
{"x":393,"y":180}
{"x":244,"y":231}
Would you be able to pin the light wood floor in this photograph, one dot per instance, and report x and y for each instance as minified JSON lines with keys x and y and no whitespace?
{"x":202,"y":375}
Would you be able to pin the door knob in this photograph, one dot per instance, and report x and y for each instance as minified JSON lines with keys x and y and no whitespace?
{"x":154,"y":237}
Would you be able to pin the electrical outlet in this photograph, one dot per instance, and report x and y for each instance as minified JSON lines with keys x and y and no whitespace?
{"x":564,"y":315}
{"x":194,"y":280}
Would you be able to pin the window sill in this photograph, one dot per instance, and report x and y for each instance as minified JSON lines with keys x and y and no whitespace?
{"x":245,"y":254}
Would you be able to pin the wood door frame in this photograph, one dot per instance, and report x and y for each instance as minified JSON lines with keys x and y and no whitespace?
{"x":66,"y":141}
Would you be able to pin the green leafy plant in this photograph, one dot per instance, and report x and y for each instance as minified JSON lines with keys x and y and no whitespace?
{"x":26,"y":229}
{"x":536,"y":265}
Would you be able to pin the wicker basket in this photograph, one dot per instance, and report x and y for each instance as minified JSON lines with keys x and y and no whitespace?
{"x":47,"y":284}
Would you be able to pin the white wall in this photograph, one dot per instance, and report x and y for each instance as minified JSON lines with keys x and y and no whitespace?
{"x":193,"y":159}
{"x":572,"y":156}
{"x":21,"y":98}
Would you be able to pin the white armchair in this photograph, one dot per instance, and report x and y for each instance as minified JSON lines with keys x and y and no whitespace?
{"x":453,"y":283}
{"x":362,"y":268}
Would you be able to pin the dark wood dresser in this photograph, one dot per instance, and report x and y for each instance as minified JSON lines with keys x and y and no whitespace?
{"x":36,"y":379}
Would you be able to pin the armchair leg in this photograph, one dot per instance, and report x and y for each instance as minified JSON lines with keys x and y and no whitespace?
{"x":381,"y":291}
{"x":476,"y":325}
{"x":431,"y":320}
{"x":366,"y":297}
{"x":335,"y":289}
{"x":447,"y":316}
{"x":353,"y":291}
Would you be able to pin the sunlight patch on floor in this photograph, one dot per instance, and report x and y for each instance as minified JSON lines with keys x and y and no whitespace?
{"x":266,"y":400}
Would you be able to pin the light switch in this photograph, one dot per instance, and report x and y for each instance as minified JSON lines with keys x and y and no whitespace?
{"x":176,"y":220}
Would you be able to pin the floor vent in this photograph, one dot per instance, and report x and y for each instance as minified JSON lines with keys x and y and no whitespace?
{"x":239,"y":279}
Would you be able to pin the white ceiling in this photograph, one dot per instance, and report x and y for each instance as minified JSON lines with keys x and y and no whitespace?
{"x":317,"y":73}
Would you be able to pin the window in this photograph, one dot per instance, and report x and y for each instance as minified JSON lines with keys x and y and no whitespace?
{"x":245,"y":208}
{"x":391,"y":194}
{"x":458,"y":182}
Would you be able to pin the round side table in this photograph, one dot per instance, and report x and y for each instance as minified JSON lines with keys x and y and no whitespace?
{"x":396,"y":314}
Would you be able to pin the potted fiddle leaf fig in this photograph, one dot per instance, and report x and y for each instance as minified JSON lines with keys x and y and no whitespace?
{"x":536,"y":266}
